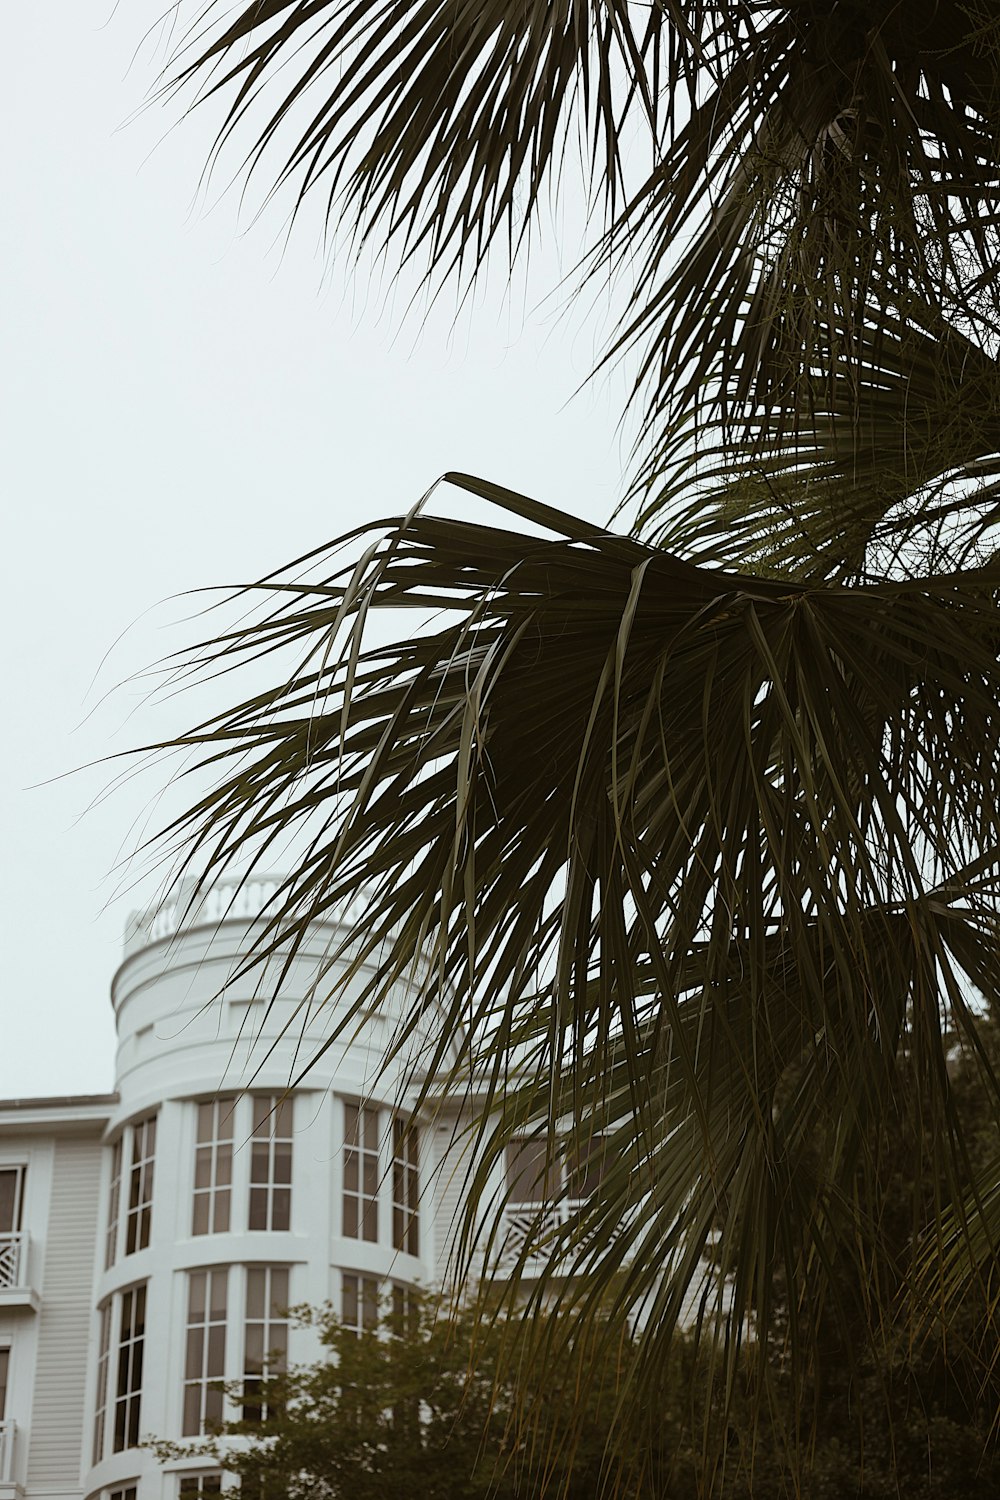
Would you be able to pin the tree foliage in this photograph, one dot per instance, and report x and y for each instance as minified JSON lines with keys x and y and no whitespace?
{"x":689,"y":837}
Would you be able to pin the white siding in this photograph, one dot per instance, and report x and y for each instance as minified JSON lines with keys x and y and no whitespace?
{"x":56,"y":1439}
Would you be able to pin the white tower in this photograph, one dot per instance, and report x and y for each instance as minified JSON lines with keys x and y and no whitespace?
{"x":228,"y":1196}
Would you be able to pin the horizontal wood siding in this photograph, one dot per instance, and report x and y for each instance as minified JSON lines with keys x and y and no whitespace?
{"x":55,"y":1451}
{"x":450,"y":1182}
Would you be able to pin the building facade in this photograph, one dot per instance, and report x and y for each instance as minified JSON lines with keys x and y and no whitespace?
{"x":153,"y":1240}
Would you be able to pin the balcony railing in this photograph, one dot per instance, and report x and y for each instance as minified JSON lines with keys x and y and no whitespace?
{"x":13,"y":1260}
{"x":6,"y":1452}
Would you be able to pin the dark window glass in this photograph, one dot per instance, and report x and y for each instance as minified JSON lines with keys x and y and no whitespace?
{"x":114,"y":1205}
{"x":528,"y":1178}
{"x":140,"y":1190}
{"x":128,"y":1386}
{"x":11,"y":1186}
{"x":360,"y":1209}
{"x":265,"y":1341}
{"x":359,"y":1302}
{"x":213,"y":1167}
{"x":271,"y":1163}
{"x":405,"y":1186}
{"x":205,"y":1354}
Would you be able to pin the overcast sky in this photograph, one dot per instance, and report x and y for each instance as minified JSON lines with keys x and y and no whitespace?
{"x":189,"y":400}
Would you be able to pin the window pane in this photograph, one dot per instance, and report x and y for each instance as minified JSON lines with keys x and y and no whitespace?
{"x":527,"y":1177}
{"x":281,"y":1208}
{"x":258,"y":1208}
{"x":255,"y":1293}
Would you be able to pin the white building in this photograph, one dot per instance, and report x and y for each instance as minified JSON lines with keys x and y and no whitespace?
{"x":151,"y":1240}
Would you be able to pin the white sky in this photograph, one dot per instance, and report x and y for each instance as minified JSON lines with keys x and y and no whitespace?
{"x":185,"y":402}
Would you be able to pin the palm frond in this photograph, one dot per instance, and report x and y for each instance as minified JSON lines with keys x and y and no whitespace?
{"x":696,"y":860}
{"x":838,"y":163}
{"x":436,"y":122}
{"x":891,"y":467}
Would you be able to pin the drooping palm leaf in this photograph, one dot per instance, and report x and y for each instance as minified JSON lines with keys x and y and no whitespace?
{"x":697,"y":860}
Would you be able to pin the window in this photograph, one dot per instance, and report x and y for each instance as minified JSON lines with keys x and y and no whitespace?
{"x":103,"y":1361}
{"x":128,"y":1387}
{"x":405,"y":1186}
{"x":11,"y":1194}
{"x":271,"y":1163}
{"x":265,"y":1345}
{"x":205,"y":1357}
{"x":111,"y":1242}
{"x":124,"y":1492}
{"x":529,"y":1179}
{"x":213,"y":1167}
{"x":360,"y":1172}
{"x":194,"y":1486}
{"x":140,"y":1191}
{"x":585,"y":1169}
{"x":4,"y":1375}
{"x":359,"y":1303}
{"x":404,"y":1307}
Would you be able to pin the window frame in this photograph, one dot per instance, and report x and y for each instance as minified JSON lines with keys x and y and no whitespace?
{"x":360,"y":1298}
{"x":140,"y":1176}
{"x":199,"y":1334}
{"x":361,"y":1166}
{"x":19,"y":1171}
{"x":106,"y":1311}
{"x":405,"y":1146}
{"x":125,"y":1399}
{"x":272,"y":1138}
{"x":216,"y":1151}
{"x":274,"y":1319}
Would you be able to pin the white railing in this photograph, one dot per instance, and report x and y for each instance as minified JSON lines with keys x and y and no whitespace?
{"x":228,"y":901}
{"x":13,"y":1259}
{"x":6,"y":1452}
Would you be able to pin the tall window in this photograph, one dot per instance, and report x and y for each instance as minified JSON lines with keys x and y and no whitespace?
{"x":128,"y":1387}
{"x":4,"y":1375}
{"x":205,"y":1359}
{"x":405,"y":1186}
{"x":360,"y":1172}
{"x":11,"y":1193}
{"x":359,"y":1302}
{"x":111,"y":1241}
{"x":140,"y":1189}
{"x":103,"y":1361}
{"x":271,"y":1163}
{"x":124,"y":1492}
{"x":213,"y":1167}
{"x":265,"y":1343}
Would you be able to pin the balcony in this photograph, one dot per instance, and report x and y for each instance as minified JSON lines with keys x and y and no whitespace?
{"x":6,"y":1453}
{"x":15,"y":1290}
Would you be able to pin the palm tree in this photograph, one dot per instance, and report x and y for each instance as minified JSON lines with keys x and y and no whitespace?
{"x":695,"y":828}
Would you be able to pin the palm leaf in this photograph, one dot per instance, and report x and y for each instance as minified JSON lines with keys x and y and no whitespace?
{"x":697,"y":860}
{"x":889,"y":468}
